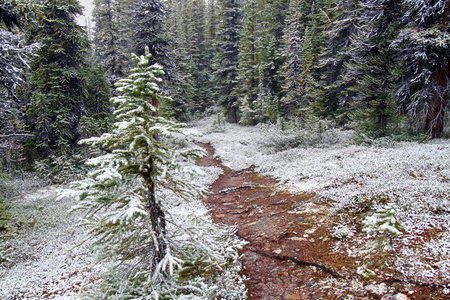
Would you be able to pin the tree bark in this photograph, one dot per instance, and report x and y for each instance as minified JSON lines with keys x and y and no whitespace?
{"x":434,"y":123}
{"x":157,"y":216}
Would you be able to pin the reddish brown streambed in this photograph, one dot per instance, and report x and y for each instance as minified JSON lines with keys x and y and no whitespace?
{"x":290,"y":254}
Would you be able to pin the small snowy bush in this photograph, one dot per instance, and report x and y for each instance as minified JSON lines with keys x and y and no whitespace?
{"x":316,"y":133}
{"x":384,"y":220}
{"x":342,"y":231}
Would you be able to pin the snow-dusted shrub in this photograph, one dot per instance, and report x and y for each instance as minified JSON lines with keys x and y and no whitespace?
{"x":384,"y":220}
{"x":62,"y":168}
{"x":313,"y":134}
{"x":342,"y":231}
{"x":208,"y":266}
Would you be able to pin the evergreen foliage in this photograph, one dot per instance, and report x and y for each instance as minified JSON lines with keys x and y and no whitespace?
{"x":248,"y":75}
{"x":59,"y":106}
{"x":8,"y":16}
{"x":192,"y":48}
{"x":422,"y":52}
{"x":198,"y":65}
{"x":372,"y":66}
{"x":110,"y":42}
{"x":333,"y":94}
{"x":132,"y":188}
{"x":292,"y":67}
{"x":355,"y":61}
{"x":227,"y":58}
{"x":181,"y":84}
{"x":148,"y":28}
{"x":15,"y":56}
{"x":259,"y":56}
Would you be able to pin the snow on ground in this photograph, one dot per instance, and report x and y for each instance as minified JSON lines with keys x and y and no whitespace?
{"x":415,"y":176}
{"x":43,"y":256}
{"x":44,"y":259}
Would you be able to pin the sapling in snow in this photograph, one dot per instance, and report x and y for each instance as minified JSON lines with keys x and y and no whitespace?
{"x":384,"y":224}
{"x":125,"y":214}
{"x":384,"y":220}
{"x":142,"y":207}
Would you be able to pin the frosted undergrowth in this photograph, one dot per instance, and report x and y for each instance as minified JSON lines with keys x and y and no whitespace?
{"x":414,"y":176}
{"x":43,"y":258}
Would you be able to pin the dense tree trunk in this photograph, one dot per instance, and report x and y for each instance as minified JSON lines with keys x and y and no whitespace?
{"x":434,"y":123}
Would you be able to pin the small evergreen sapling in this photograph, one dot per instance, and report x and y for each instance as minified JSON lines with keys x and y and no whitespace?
{"x":384,"y":225}
{"x":384,"y":220}
{"x":125,"y":213}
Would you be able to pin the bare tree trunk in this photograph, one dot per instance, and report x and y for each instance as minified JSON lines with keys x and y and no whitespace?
{"x":434,"y":123}
{"x":157,"y":216}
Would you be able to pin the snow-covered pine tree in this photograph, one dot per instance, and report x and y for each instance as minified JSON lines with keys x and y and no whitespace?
{"x":110,"y":42}
{"x":291,"y":69}
{"x":148,"y":28}
{"x":56,"y":97}
{"x":423,"y":50}
{"x":121,"y":194}
{"x":226,"y":60}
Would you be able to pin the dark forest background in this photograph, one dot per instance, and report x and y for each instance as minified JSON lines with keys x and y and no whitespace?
{"x":380,"y":67}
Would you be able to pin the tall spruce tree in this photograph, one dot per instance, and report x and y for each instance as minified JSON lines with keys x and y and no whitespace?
{"x":148,"y":29}
{"x":248,"y":75}
{"x":110,"y":43}
{"x":339,"y":24}
{"x":291,"y":69}
{"x":372,"y":65}
{"x":15,"y":57}
{"x":181,"y":85}
{"x":423,"y":49}
{"x":260,"y":59}
{"x":198,"y":66}
{"x":303,"y":42}
{"x":226,"y":61}
{"x":58,"y":98}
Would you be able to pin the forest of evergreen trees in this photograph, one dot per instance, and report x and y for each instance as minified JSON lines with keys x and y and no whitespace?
{"x":112,"y":94}
{"x":380,"y":66}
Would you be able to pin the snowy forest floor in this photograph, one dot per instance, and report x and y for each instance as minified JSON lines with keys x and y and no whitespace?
{"x":43,"y":259}
{"x":299,"y":198}
{"x":301,"y":210}
{"x":290,"y":254}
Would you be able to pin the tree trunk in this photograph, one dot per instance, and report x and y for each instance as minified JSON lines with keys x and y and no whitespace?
{"x":434,"y":123}
{"x":157,"y":216}
{"x":234,"y":113}
{"x":155,"y":104}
